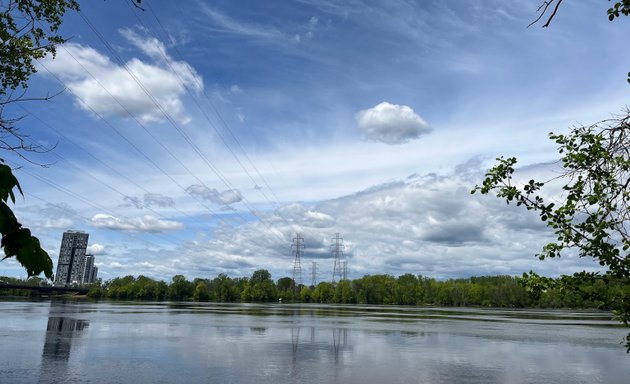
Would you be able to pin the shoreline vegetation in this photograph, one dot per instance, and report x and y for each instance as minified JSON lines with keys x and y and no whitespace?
{"x":407,"y":289}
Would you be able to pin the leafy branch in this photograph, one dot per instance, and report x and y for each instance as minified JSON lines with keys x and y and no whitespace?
{"x":593,"y":214}
{"x":17,"y":241}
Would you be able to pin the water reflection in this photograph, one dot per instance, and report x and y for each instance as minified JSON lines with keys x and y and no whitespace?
{"x":339,"y":341}
{"x":61,"y":330}
{"x":59,"y":334}
{"x":258,"y":330}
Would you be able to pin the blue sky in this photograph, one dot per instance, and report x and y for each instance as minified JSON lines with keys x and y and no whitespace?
{"x":200,"y":139}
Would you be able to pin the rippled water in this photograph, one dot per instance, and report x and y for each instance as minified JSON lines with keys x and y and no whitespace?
{"x":83,"y":342}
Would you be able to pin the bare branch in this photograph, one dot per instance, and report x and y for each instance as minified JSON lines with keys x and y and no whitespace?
{"x":553,"y":14}
{"x":542,"y":10}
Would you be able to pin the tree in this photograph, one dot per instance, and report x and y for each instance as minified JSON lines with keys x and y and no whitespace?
{"x":260,"y":287}
{"x":202,"y":293}
{"x":28,"y":31}
{"x":287,"y":290}
{"x":593,"y":214}
{"x":180,"y":288}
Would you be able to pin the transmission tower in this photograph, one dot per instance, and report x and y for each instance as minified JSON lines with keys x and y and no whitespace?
{"x":314,"y":274}
{"x":297,"y":247}
{"x":337,"y":251}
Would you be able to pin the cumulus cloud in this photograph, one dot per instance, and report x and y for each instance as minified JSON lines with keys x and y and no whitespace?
{"x":150,"y":200}
{"x":50,"y":216}
{"x":96,"y":249}
{"x":108,"y":88}
{"x":318,"y":219}
{"x":229,"y":196}
{"x":391,"y":123}
{"x":426,"y":224}
{"x":146,"y":223}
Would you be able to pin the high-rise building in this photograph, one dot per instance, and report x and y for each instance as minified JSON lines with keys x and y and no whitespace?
{"x":88,"y":271}
{"x":71,"y":264}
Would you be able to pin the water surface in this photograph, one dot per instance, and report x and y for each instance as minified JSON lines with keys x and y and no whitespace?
{"x":84,"y":342}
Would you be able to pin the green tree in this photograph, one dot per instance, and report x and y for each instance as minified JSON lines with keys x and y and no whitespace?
{"x":28,"y":31}
{"x":407,"y":290}
{"x":306,"y":295}
{"x":343,"y":293}
{"x":180,"y":288}
{"x":323,"y":293}
{"x":202,"y":293}
{"x":260,"y":287}
{"x":221,"y":289}
{"x":96,"y":289}
{"x":593,"y":214}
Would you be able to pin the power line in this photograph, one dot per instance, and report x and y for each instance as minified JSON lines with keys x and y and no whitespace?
{"x":130,"y":143}
{"x":74,"y":195}
{"x":129,"y":234}
{"x":90,"y":154}
{"x":169,"y":118}
{"x":219,"y":118}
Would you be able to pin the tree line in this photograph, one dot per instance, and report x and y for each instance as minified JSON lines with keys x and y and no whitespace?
{"x":407,"y":289}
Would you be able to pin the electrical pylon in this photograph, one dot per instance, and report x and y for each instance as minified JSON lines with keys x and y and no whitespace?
{"x":314,"y":274}
{"x":337,"y":251}
{"x":297,"y":247}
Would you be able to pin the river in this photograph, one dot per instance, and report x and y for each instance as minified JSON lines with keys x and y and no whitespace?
{"x":78,"y":341}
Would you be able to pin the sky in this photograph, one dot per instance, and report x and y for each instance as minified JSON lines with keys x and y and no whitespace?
{"x":200,"y":139}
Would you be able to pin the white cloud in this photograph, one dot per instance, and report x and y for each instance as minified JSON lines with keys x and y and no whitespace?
{"x":422,"y":224}
{"x":107,"y":88}
{"x":391,"y":123}
{"x":229,"y":196}
{"x":312,"y":24}
{"x":150,"y":200}
{"x":429,"y":225}
{"x":49,"y":216}
{"x":96,"y":249}
{"x":226,"y":24}
{"x":146,"y":223}
{"x":318,"y":219}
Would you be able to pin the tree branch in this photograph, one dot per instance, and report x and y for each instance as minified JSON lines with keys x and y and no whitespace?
{"x":542,"y":10}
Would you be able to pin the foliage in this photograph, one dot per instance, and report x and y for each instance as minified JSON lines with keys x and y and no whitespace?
{"x":28,"y":31}
{"x":17,"y":241}
{"x":180,"y":288}
{"x":593,"y":214}
{"x":260,"y":287}
{"x":620,"y":8}
{"x":408,"y":289}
